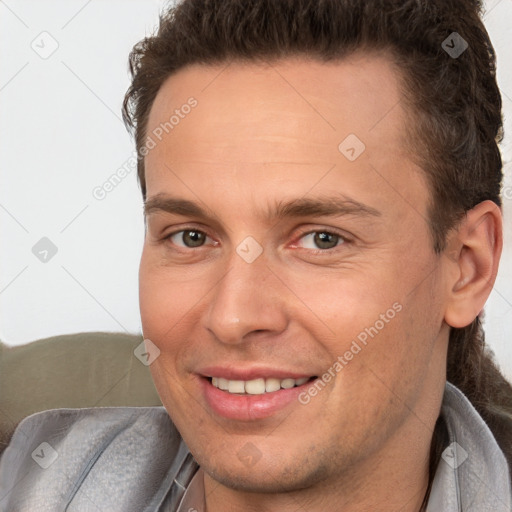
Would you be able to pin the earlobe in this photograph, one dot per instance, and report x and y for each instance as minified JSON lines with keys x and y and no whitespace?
{"x":474,"y":254}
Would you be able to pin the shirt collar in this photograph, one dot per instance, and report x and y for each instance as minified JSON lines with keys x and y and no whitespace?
{"x":193,"y":499}
{"x":473,"y":473}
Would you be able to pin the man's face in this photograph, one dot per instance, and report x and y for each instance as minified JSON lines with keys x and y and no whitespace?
{"x":312,"y":257}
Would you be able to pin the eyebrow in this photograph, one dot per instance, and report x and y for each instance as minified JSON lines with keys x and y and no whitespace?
{"x":329,"y":206}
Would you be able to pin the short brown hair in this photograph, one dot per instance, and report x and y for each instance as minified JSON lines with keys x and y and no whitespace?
{"x":454,"y":106}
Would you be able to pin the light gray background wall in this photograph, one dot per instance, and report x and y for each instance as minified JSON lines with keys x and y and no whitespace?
{"x":63,"y":75}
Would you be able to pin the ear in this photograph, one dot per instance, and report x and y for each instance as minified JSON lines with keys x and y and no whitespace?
{"x":474,"y":252}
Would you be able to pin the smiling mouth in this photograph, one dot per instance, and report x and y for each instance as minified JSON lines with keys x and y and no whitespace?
{"x":257,"y":386}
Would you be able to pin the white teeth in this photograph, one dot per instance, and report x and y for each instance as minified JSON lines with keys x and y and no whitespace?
{"x":256,"y":386}
{"x":223,"y":384}
{"x":236,"y":386}
{"x":287,"y":383}
{"x":272,"y":385}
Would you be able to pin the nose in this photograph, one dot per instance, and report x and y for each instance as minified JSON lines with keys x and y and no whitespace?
{"x":249,"y":299}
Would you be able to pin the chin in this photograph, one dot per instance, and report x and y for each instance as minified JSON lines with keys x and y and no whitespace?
{"x":272,"y":477}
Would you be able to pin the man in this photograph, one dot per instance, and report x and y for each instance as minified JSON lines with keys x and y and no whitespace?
{"x":323,"y":228}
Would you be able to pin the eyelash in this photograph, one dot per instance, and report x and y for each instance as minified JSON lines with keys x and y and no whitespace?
{"x":342,"y":238}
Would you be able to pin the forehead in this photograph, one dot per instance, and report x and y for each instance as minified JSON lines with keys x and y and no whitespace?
{"x":284,"y":105}
{"x":283,"y":121}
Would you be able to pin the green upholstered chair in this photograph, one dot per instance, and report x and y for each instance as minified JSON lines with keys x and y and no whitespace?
{"x":94,"y":369}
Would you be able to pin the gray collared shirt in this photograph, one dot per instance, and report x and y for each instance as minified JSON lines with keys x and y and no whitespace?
{"x":133,"y":459}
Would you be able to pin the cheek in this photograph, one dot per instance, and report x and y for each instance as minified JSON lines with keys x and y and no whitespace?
{"x":346,"y":305}
{"x":396,"y":349}
{"x":155,"y":303}
{"x":377,"y":323}
{"x":165,"y":300}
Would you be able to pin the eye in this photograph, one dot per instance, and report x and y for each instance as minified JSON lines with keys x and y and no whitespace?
{"x":189,"y":238}
{"x":322,"y":240}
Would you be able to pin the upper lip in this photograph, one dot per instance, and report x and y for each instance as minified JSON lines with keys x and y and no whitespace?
{"x":254,"y":372}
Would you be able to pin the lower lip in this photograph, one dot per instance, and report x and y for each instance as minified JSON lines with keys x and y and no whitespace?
{"x":249,"y":407}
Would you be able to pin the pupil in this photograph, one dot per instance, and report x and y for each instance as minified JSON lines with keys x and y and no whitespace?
{"x":326,"y":240}
{"x":193,"y":238}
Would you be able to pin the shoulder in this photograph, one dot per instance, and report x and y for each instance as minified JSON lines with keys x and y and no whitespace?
{"x":117,"y":456}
